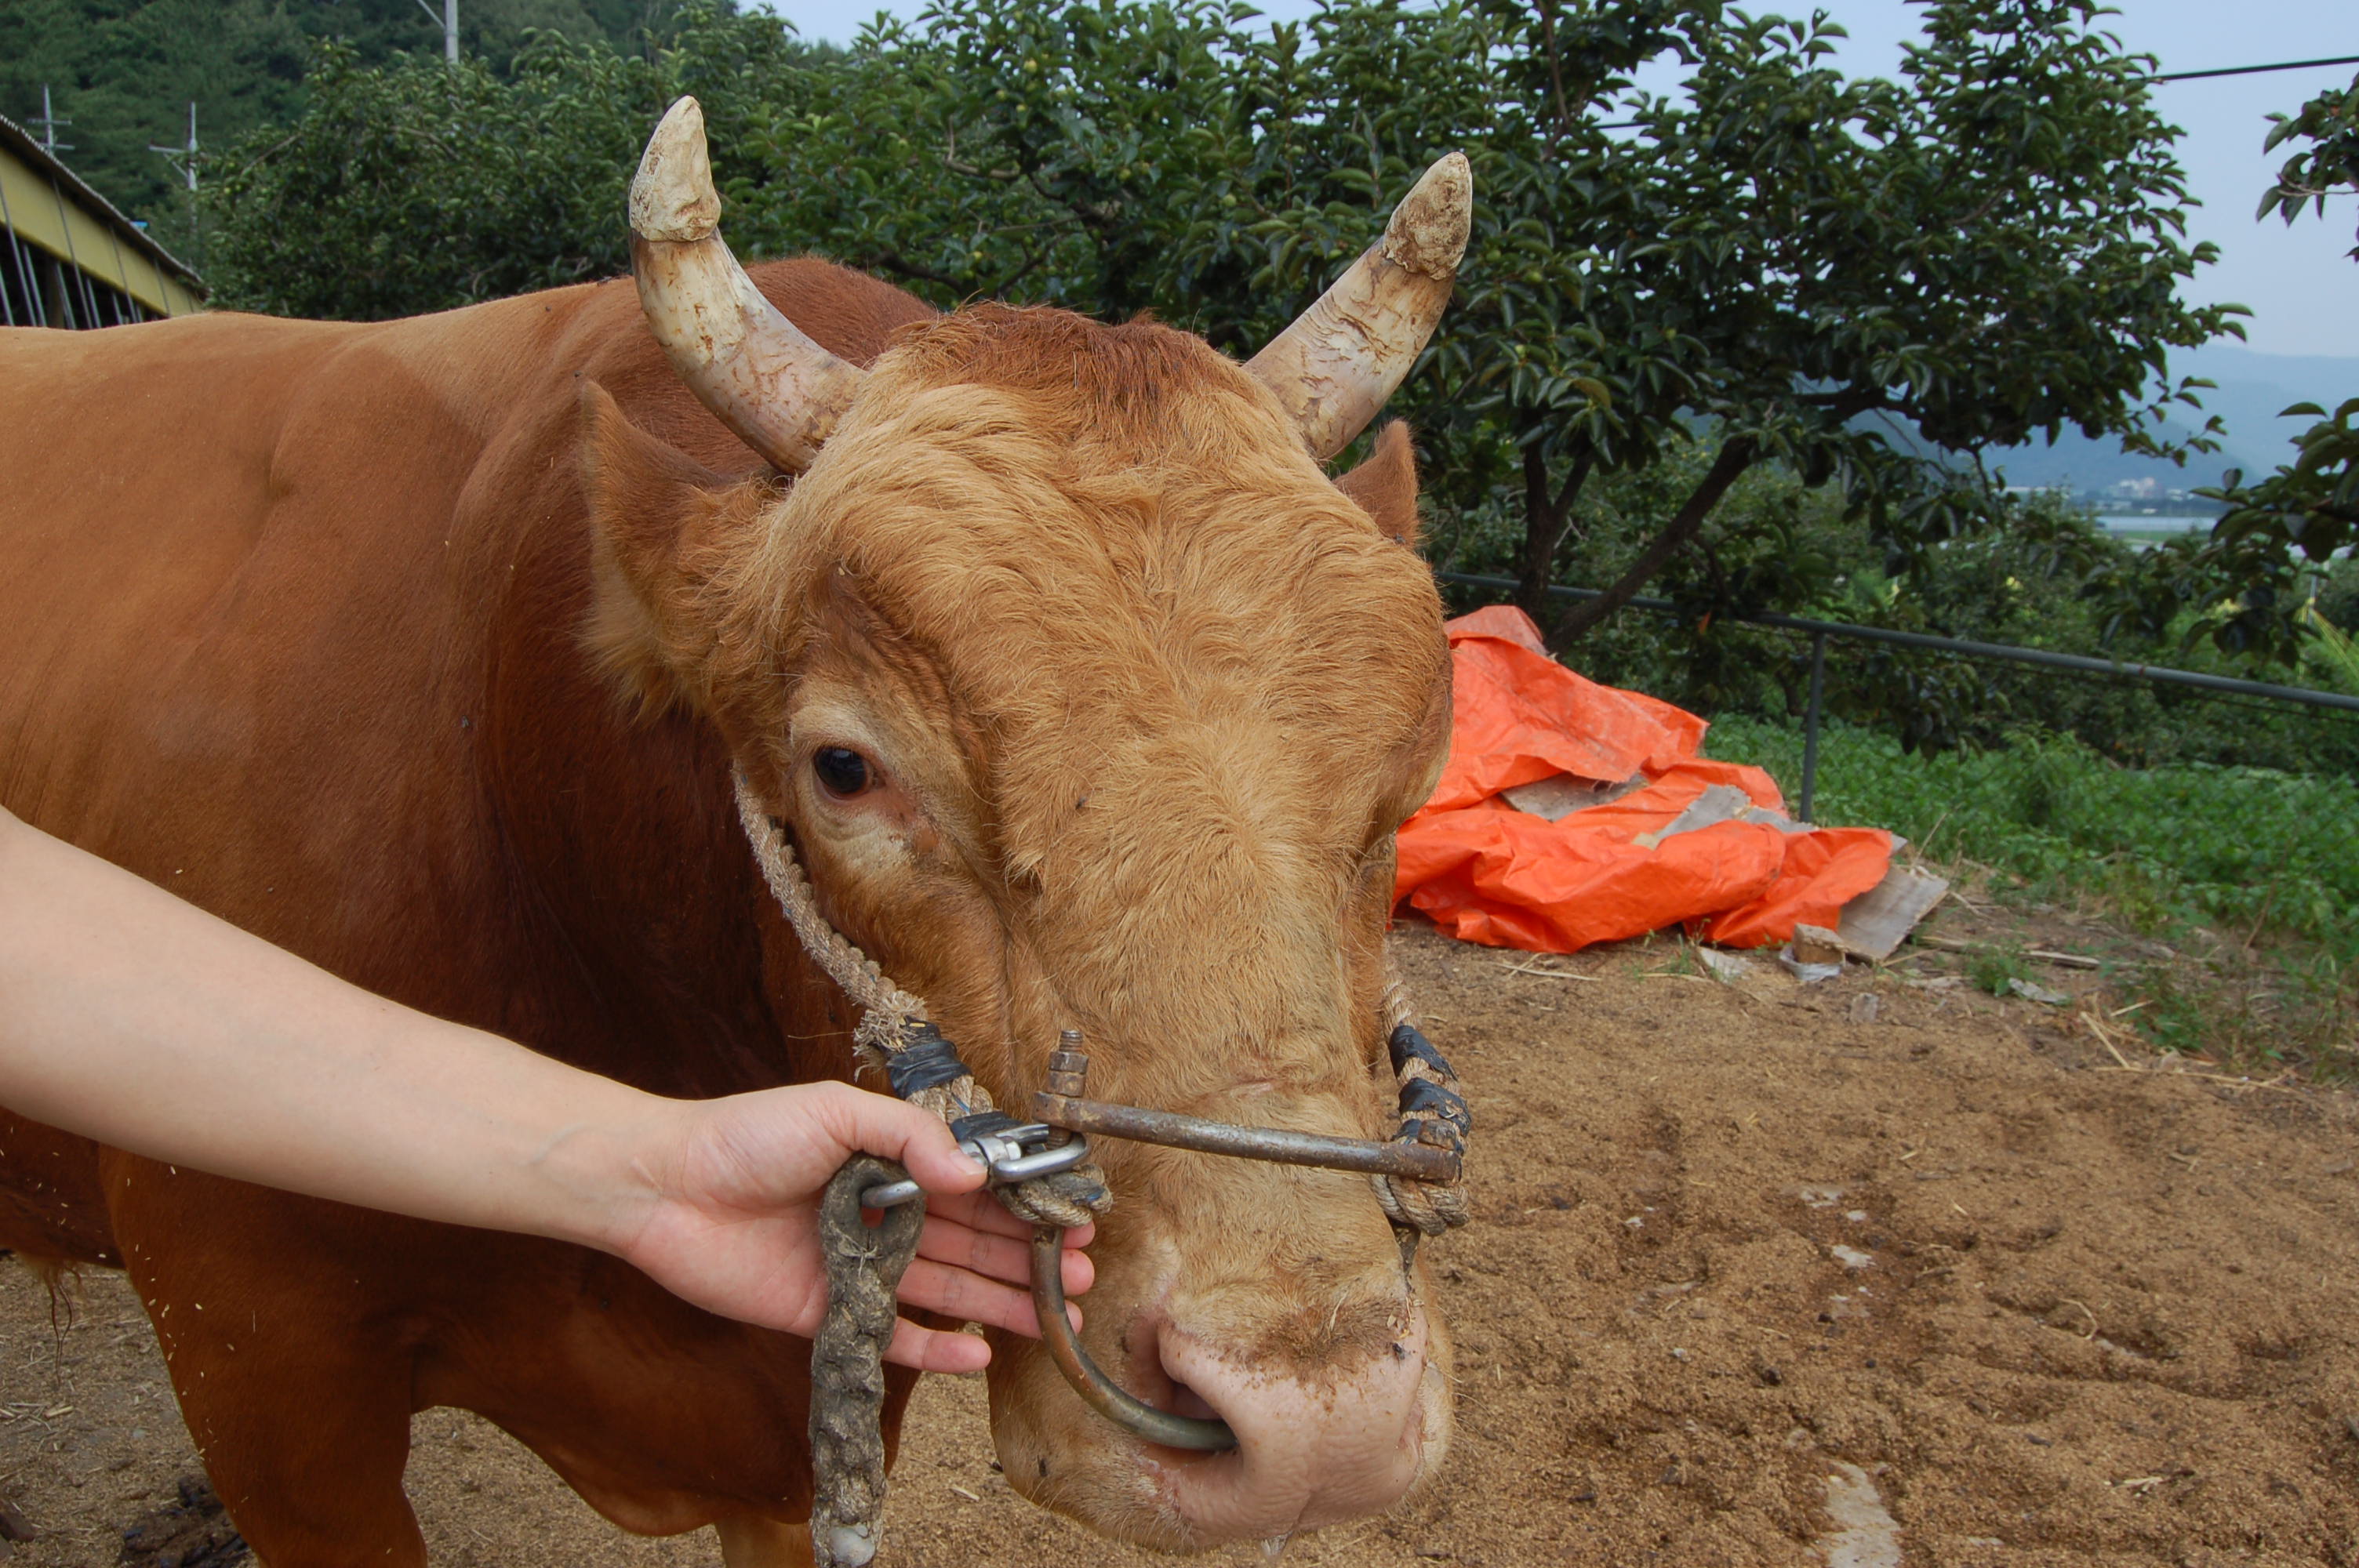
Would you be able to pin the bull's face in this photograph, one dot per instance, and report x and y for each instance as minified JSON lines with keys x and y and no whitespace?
{"x":1091,"y":703}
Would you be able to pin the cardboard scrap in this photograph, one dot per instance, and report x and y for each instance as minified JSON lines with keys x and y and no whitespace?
{"x":1716,"y":805}
{"x":1874,"y":923}
{"x":1559,"y":797}
{"x":1726,"y":967}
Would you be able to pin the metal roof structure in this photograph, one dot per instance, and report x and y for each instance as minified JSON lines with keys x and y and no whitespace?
{"x":68,"y":258}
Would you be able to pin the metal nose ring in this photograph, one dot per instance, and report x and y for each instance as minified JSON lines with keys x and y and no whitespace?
{"x":1061,"y":1106}
{"x":1067,"y":1076}
{"x":1100,"y":1392}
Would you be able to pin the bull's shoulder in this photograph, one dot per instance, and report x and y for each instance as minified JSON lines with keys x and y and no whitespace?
{"x":848,"y":313}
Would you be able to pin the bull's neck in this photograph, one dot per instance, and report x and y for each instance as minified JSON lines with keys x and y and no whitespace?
{"x":662,"y":952}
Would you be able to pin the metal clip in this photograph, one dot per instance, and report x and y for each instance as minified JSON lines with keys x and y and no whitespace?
{"x":1007,"y":1156}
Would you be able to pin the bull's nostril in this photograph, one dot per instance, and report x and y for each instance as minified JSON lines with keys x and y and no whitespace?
{"x":1318,"y":1443}
{"x":1185,"y":1401}
{"x":1151,"y":1378}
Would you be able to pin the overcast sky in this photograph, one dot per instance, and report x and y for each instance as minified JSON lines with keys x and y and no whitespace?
{"x":2300,"y":283}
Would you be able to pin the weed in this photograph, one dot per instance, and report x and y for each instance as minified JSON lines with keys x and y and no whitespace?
{"x":1683,"y":961}
{"x":1996,"y":969}
{"x":2254,"y":873}
{"x":2255,"y":1011}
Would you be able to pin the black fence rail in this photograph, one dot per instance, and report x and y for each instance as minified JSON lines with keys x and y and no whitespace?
{"x":1820,"y":632}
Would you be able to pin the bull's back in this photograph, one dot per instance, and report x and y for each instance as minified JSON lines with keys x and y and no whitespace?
{"x":193,"y":512}
{"x":137,"y":462}
{"x":250,"y":569}
{"x":176,"y":557}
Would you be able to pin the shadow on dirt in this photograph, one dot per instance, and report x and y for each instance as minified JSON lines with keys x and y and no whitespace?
{"x":193,"y":1532}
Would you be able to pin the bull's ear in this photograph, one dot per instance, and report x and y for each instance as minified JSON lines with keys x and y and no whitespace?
{"x":1385,"y":487}
{"x":660,"y":525}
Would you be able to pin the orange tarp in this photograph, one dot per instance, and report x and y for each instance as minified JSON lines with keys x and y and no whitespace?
{"x":1487,"y":872}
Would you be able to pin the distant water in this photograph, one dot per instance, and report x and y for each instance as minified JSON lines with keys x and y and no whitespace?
{"x":2115,"y":523}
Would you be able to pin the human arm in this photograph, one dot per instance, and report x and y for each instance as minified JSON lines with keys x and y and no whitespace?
{"x":131,"y":1017}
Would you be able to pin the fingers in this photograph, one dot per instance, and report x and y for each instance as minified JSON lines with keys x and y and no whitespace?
{"x":858,"y":1119}
{"x":931,"y":1350}
{"x":962,"y":1293}
{"x":947,"y":1239}
{"x":982,"y":1211}
{"x":963,"y":1272}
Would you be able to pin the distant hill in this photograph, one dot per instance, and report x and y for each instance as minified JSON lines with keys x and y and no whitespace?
{"x":2252,"y":388}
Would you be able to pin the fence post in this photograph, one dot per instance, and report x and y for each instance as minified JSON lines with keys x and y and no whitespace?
{"x":1810,"y":724}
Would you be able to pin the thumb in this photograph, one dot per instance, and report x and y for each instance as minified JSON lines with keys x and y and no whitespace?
{"x":917,"y":1140}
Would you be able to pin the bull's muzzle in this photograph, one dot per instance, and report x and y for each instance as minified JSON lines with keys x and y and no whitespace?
{"x":1427,"y":1149}
{"x":1061,"y":1105}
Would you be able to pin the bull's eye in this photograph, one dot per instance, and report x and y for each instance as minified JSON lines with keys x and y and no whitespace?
{"x":842,"y":772}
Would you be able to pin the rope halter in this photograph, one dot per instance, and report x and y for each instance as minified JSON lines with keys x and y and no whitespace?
{"x":923,"y":1068}
{"x":893,"y":1033}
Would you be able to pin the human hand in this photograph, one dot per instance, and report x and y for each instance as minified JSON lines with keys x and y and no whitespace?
{"x":725,"y":1214}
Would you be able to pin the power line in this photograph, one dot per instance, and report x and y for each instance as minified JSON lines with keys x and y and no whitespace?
{"x":2255,"y":69}
{"x":2171,"y":76}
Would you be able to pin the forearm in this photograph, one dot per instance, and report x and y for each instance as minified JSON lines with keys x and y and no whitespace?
{"x":136,"y":1019}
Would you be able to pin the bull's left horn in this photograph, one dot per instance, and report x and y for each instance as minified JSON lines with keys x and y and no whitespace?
{"x":1336,"y":366}
{"x":781,"y":393}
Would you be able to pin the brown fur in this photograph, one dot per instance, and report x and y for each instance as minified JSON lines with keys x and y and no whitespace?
{"x":323,"y":627}
{"x":1385,"y":485}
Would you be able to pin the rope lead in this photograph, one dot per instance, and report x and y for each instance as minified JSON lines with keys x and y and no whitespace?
{"x":864,"y":1264}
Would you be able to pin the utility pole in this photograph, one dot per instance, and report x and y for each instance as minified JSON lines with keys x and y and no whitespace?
{"x":183,"y":159}
{"x":49,"y":122}
{"x":450,"y":21}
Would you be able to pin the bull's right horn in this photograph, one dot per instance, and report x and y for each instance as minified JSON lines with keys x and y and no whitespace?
{"x":1339,"y":362}
{"x":781,"y":393}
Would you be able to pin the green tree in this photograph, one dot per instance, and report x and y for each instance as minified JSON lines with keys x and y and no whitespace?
{"x":2251,"y":578}
{"x":126,"y":74}
{"x":1844,"y":277}
{"x":418,"y":186}
{"x":124,"y":71}
{"x":1112,"y":158}
{"x":1859,"y":283}
{"x":1850,"y":280}
{"x":2330,"y":164}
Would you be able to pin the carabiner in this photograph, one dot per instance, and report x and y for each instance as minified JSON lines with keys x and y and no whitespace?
{"x":1004,"y":1154}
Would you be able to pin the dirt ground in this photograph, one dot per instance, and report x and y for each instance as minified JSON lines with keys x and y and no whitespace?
{"x":1761,"y":1275}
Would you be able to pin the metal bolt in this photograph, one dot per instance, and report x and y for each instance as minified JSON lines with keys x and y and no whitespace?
{"x":1069,"y":1070}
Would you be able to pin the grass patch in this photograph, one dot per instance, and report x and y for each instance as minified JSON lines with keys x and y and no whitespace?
{"x":1996,"y":969}
{"x":2252,"y":872}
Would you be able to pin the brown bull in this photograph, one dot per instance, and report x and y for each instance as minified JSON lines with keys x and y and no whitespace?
{"x":427,"y":649}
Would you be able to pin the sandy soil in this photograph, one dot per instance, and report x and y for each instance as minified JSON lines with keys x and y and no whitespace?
{"x":1760,"y":1273}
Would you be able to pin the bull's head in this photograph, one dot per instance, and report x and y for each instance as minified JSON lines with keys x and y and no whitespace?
{"x":1090,"y":701}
